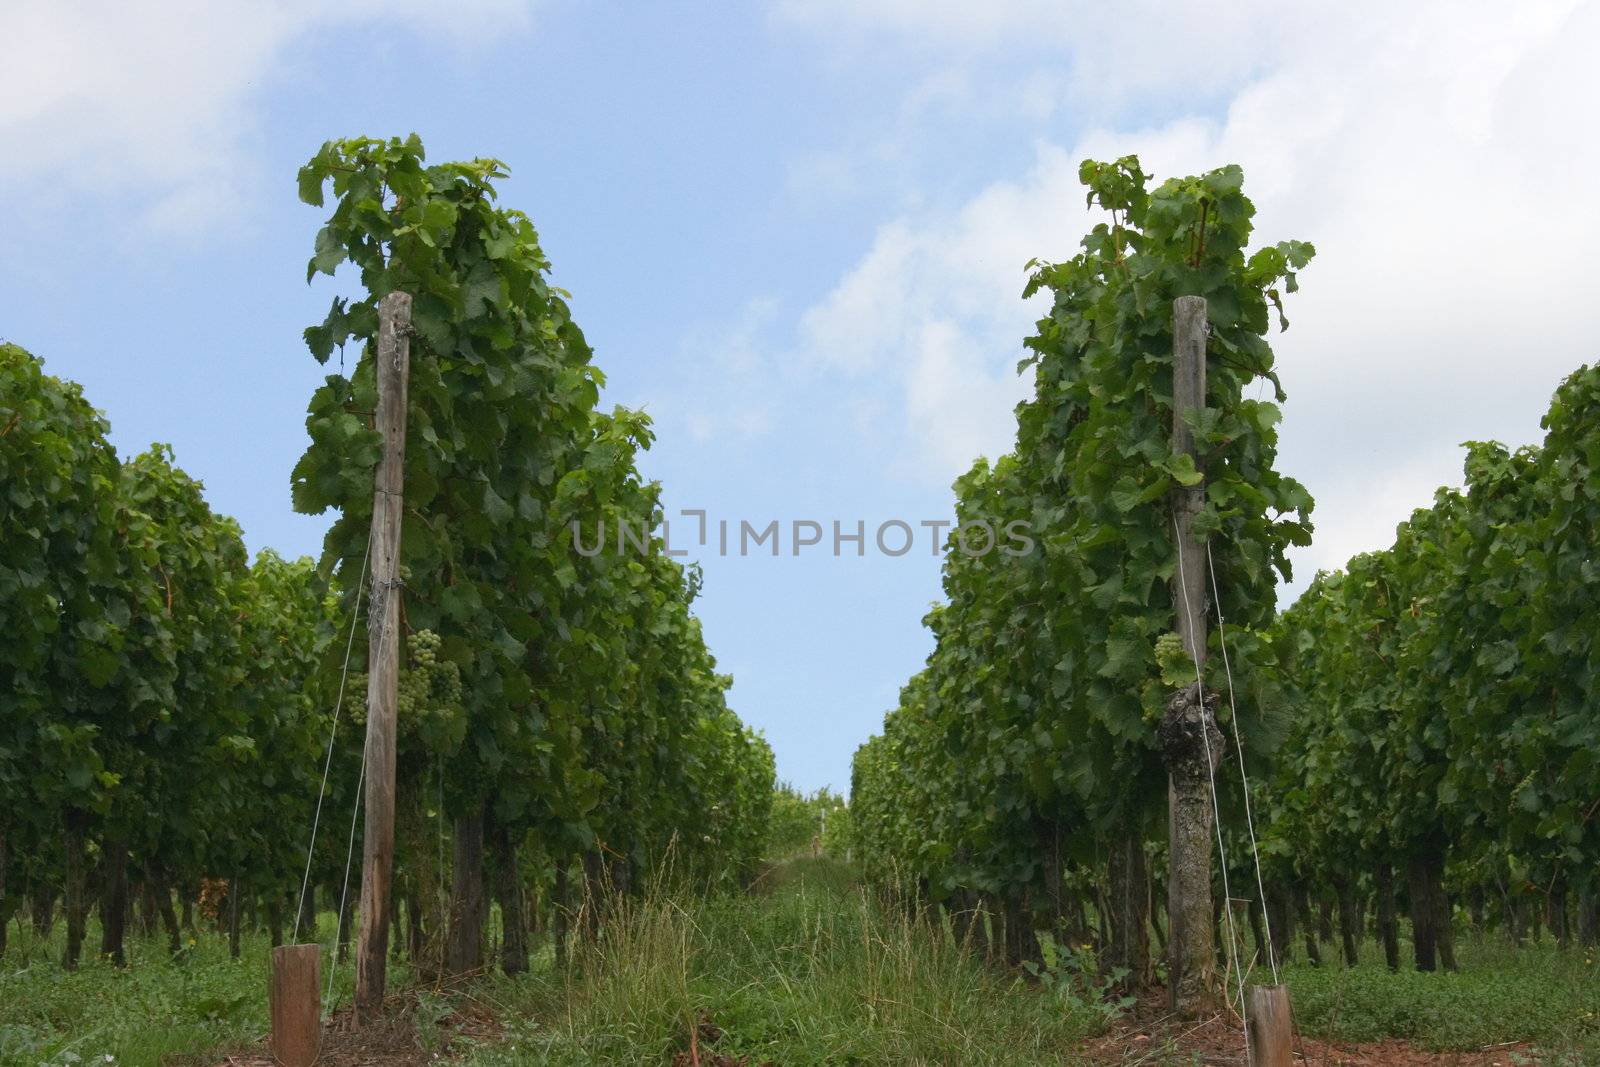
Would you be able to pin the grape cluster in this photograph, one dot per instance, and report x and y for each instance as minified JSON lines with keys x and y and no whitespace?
{"x":416,"y":683}
{"x":428,"y":686}
{"x":413,"y":693}
{"x":1177,"y":669}
{"x":355,"y":697}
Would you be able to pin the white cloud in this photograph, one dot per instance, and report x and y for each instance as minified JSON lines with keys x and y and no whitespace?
{"x":1428,"y":151}
{"x":1359,"y":506}
{"x":934,"y":304}
{"x":155,"y":102}
{"x":723,"y":389}
{"x":956,"y":410}
{"x":1115,"y":53}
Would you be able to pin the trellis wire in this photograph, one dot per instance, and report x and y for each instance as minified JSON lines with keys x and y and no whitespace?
{"x":1244,"y":779}
{"x":344,"y":893}
{"x":361,"y":780}
{"x":1216,"y":810}
{"x":333,"y":731}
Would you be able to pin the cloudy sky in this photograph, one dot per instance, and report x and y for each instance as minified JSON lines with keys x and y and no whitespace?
{"x":795,"y":233}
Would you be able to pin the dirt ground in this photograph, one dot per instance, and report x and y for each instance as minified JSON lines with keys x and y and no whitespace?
{"x":1149,"y":1035}
{"x":391,"y":1042}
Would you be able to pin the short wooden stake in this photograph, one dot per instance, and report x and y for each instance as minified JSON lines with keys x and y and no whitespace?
{"x":296,"y":1004}
{"x":1271,"y":1029}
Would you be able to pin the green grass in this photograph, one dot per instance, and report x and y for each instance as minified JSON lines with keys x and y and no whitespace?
{"x":1535,"y":993}
{"x":154,"y":1008}
{"x":808,"y":970}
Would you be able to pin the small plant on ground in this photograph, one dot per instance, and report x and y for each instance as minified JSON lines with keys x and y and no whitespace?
{"x":1073,"y":976}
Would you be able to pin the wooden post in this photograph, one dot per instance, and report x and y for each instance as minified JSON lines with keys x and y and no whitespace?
{"x":1189,"y":393}
{"x":1271,"y":1028}
{"x":1190,"y":740}
{"x":383,"y":655}
{"x":296,"y":1009}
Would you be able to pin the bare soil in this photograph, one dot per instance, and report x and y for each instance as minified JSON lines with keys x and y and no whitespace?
{"x":392,"y":1041}
{"x":1151,"y":1035}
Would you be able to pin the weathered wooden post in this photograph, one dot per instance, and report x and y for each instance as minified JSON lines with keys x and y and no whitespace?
{"x":1190,"y":740}
{"x":1271,"y":1028}
{"x":383,"y":653}
{"x":295,"y":1004}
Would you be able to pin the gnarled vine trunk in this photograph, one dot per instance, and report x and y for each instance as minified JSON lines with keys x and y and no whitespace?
{"x":305,"y":923}
{"x":1258,"y":931}
{"x":1589,"y":918}
{"x":342,"y":938}
{"x":415,"y":934}
{"x":559,"y":910}
{"x":1434,"y":942}
{"x":508,"y":890}
{"x":75,"y":903}
{"x":1020,"y":943}
{"x":1308,"y":922}
{"x":468,"y":904}
{"x":161,"y":897}
{"x":1349,"y":916}
{"x":1152,"y":895}
{"x":234,"y":892}
{"x":114,"y":901}
{"x":594,"y":892}
{"x":1557,"y":907}
{"x":42,"y":908}
{"x":1129,"y":901}
{"x":1048,"y":834}
{"x":1475,"y":907}
{"x":149,"y":907}
{"x":1280,"y":920}
{"x":1388,"y":924}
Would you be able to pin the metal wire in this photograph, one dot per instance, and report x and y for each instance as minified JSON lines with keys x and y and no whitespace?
{"x":361,"y":780}
{"x":1249,"y":816}
{"x":333,"y":731}
{"x":1216,"y":811}
{"x":344,"y":894}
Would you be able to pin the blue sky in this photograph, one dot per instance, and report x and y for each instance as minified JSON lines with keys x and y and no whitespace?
{"x":795,"y":233}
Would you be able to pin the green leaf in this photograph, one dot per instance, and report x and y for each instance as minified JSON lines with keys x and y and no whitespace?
{"x":1183,"y":471}
{"x":329,"y":253}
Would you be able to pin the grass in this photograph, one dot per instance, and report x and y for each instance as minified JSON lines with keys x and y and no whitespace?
{"x":809,"y":970}
{"x":1536,"y":993}
{"x":816,"y":972}
{"x":139,"y":1016}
